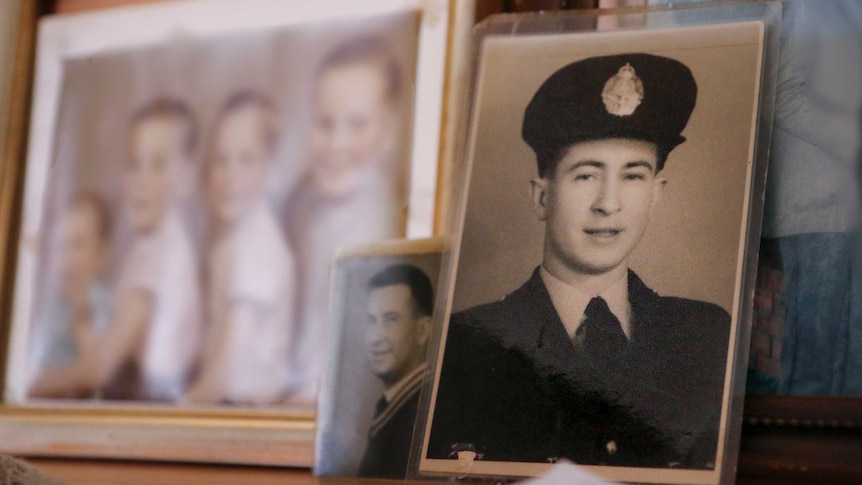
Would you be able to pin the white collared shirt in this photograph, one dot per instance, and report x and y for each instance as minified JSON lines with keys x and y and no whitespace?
{"x":571,"y":302}
{"x":252,"y":264}
{"x":163,"y":264}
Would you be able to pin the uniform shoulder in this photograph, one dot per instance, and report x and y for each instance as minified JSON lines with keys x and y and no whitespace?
{"x":512,"y":321}
{"x":481,"y":311}
{"x":493,"y":317}
{"x":700,"y":318}
{"x":700,"y":308}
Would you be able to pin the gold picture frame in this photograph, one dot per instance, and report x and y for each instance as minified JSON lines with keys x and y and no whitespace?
{"x":253,"y":436}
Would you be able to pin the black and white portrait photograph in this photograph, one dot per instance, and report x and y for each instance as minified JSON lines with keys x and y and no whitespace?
{"x":383,"y":298}
{"x":595,"y":283}
{"x":188,"y":187}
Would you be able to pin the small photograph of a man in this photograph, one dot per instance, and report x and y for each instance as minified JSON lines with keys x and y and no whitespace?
{"x":382,"y":303}
{"x":397,"y":327}
{"x":576,"y":330}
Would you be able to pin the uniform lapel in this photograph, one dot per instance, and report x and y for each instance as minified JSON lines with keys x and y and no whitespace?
{"x":544,"y":336}
{"x":646,"y":326}
{"x":651,"y":374}
{"x":654,"y":346}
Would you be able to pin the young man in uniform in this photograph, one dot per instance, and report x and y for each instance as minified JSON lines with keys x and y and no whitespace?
{"x":584,"y":361}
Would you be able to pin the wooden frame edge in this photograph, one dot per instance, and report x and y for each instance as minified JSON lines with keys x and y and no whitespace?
{"x":236,"y":441}
{"x":12,"y":164}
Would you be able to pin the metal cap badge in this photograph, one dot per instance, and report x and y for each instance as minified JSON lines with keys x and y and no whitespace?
{"x":623,"y":92}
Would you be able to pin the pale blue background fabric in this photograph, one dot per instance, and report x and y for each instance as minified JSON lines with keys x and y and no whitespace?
{"x":812,"y":196}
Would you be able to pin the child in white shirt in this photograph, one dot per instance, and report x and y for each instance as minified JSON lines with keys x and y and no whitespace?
{"x":250,"y":267}
{"x":352,"y":192}
{"x":153,"y":337}
{"x":82,"y":308}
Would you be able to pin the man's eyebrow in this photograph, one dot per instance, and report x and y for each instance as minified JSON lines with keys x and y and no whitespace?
{"x":600,"y":165}
{"x":640,"y":163}
{"x":585,"y":163}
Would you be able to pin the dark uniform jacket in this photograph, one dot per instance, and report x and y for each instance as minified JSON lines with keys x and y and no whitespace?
{"x":391,"y":432}
{"x":513,"y":387}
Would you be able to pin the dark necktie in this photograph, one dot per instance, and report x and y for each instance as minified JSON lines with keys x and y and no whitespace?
{"x":603,"y":336}
{"x":380,"y":407}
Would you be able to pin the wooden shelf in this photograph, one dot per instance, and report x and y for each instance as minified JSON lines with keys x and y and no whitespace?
{"x":91,"y":472}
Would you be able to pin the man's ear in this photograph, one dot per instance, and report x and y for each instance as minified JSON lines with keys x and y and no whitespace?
{"x":539,"y":192}
{"x":424,"y":330}
{"x":658,"y":190}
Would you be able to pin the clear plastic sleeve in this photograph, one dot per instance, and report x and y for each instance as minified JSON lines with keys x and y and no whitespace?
{"x":607,"y":96}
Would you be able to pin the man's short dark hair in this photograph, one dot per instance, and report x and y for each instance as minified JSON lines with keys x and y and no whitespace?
{"x":368,"y":49}
{"x":549,"y":160}
{"x":170,"y":108}
{"x":415,"y":279}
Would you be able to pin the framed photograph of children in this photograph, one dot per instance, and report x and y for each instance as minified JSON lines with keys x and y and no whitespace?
{"x":192,"y":169}
{"x":382,"y":304}
{"x":600,"y":268}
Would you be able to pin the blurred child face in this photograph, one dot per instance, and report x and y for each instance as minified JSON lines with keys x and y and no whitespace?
{"x":353,"y":127}
{"x":239,"y":163}
{"x":82,"y":249}
{"x":153,"y":170}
